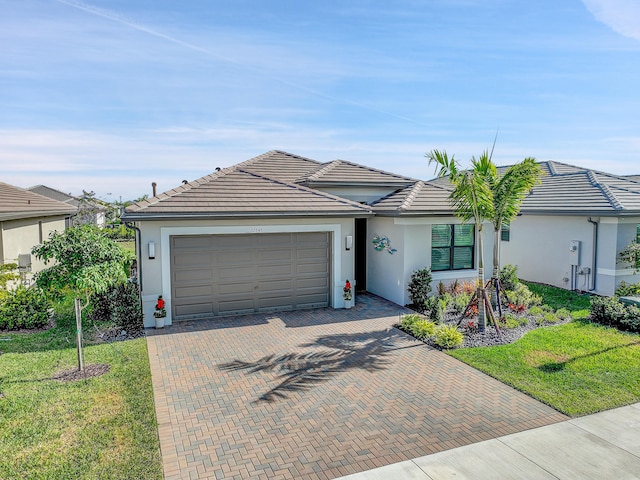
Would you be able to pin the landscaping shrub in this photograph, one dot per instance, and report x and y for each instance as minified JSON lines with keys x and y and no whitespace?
{"x":406,"y":321}
{"x":521,"y":295}
{"x":607,"y":310}
{"x":448,"y":336}
{"x":508,"y":277}
{"x":563,"y":314}
{"x":510,"y":321}
{"x":551,"y":317}
{"x":420,"y":287}
{"x":628,"y":289}
{"x":120,"y":305}
{"x":24,"y":308}
{"x":435,"y":308}
{"x":631,"y":319}
{"x":460,"y":302}
{"x":536,"y":311}
{"x":423,"y":329}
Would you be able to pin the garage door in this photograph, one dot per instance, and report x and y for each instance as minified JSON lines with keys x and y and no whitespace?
{"x":235,"y":274}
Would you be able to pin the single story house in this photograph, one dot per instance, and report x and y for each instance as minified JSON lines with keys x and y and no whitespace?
{"x":26,"y":220}
{"x":281,"y":231}
{"x":92,"y":212}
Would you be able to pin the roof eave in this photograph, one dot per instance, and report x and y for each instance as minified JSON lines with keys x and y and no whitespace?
{"x":132,"y":217}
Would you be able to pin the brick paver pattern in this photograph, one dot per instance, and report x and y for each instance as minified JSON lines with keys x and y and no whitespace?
{"x":318,"y":394}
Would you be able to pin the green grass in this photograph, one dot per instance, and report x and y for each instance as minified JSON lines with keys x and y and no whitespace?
{"x":557,"y":298}
{"x":577,"y":368}
{"x":101,"y":427}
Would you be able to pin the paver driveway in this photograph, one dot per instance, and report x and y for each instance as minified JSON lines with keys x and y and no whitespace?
{"x":318,"y":394}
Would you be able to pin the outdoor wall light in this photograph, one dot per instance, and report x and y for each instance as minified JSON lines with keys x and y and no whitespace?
{"x":348,"y":242}
{"x":152,"y":250}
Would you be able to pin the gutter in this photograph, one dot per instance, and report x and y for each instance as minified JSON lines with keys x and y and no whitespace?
{"x":594,"y":257}
{"x":130,"y":217}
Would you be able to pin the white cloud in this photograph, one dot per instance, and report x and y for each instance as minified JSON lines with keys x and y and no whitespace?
{"x":622,"y":16}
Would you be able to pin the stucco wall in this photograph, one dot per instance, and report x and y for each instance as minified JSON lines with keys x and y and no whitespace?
{"x":389,"y":275}
{"x":155,"y":272}
{"x":20,"y":236}
{"x":385,"y":271}
{"x":539,"y":247}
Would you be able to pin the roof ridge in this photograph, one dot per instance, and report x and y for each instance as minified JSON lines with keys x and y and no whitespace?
{"x":313,"y":191}
{"x":377,"y":170}
{"x":611,"y":197}
{"x":415,"y":189}
{"x":321,"y":170}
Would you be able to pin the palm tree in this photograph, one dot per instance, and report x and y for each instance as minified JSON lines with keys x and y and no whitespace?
{"x":472,"y":199}
{"x":509,"y":191}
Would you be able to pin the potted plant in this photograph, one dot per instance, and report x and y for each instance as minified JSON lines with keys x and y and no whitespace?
{"x":347,"y":295}
{"x":160,"y":312}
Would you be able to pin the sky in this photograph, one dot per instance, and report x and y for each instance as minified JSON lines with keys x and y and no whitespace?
{"x":111,"y":95}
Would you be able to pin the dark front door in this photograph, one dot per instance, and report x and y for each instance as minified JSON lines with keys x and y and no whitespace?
{"x":361,"y":254}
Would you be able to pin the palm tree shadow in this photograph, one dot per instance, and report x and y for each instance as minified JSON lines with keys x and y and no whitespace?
{"x":299,"y":372}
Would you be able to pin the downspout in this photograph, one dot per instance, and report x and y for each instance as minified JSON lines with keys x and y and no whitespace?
{"x":595,"y":254}
{"x":138,"y":255}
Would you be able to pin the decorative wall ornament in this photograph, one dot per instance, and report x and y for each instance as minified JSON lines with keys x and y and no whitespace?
{"x":381,"y":243}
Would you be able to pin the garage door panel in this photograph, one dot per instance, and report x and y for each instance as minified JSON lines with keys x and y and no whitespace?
{"x":237,"y":274}
{"x":193,"y":275}
{"x":194,"y":309}
{"x":236,"y":288}
{"x":240,"y":271}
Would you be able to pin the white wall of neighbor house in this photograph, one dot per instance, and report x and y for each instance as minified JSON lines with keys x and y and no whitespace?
{"x":155,"y":272}
{"x":540,"y":246}
{"x":20,"y":236}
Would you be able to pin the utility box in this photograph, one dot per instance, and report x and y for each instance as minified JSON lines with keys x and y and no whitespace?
{"x":574,"y":252}
{"x":24,"y":262}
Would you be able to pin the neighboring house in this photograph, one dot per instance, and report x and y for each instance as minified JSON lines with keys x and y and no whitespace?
{"x":281,"y":231}
{"x":91,"y":212}
{"x":572,"y":228}
{"x":26,"y":220}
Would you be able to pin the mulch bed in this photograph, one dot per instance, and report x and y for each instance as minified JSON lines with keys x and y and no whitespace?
{"x":74,"y":374}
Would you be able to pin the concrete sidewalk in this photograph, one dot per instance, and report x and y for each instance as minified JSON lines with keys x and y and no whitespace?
{"x":602,"y":446}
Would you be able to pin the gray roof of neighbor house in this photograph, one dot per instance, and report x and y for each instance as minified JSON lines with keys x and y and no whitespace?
{"x":55,"y":194}
{"x":342,"y":173}
{"x":262,"y":186}
{"x":571,"y":190}
{"x":567,"y":189}
{"x":17,"y":203}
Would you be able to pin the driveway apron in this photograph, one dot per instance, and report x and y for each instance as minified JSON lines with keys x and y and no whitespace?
{"x":318,"y":394}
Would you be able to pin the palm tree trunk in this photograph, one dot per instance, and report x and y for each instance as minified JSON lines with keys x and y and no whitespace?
{"x":482,"y":318}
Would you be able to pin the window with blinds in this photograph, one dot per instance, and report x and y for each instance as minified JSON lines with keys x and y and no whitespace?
{"x":452,"y":247}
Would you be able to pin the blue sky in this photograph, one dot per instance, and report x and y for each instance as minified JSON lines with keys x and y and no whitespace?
{"x":111,"y":95}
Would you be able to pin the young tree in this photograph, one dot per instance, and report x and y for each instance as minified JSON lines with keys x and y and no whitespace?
{"x":85,"y":261}
{"x":472,"y":199}
{"x":509,"y":191}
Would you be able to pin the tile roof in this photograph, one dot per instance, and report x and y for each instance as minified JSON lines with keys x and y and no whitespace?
{"x":278,"y":164}
{"x":419,"y":199}
{"x":54,"y":194}
{"x":239,"y":192}
{"x":17,"y":203}
{"x":341,"y":172}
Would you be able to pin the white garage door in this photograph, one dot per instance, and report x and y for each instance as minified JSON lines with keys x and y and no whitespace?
{"x":235,"y":274}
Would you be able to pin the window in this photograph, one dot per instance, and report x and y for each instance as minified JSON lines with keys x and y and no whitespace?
{"x":505,"y":232}
{"x":452,"y":247}
{"x":638,"y":233}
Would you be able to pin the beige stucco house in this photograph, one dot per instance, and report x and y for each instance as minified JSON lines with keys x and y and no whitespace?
{"x":281,"y":231}
{"x":26,"y":219}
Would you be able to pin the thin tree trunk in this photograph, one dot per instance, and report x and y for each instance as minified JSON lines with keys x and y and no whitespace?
{"x":482,"y":318}
{"x":79,"y":334}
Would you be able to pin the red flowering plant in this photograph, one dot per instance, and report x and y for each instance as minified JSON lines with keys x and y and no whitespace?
{"x":346,"y":291}
{"x":160,"y":310}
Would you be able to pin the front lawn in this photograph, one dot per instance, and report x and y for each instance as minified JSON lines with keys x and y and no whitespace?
{"x":577,"y":368}
{"x":101,"y":427}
